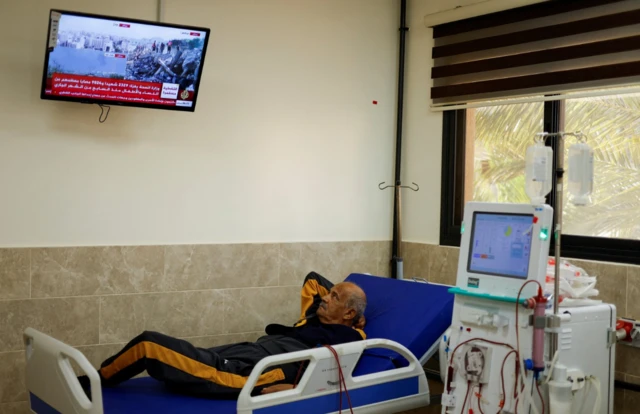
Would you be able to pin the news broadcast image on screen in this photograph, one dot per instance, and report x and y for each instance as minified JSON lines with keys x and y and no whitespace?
{"x":103,"y":59}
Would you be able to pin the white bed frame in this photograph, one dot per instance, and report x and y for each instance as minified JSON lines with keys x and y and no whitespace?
{"x":50,"y":377}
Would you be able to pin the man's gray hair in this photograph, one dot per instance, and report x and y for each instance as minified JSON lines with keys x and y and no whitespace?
{"x":357,"y":302}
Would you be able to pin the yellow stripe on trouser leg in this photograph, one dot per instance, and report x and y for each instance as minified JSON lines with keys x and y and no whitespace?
{"x":185,"y":364}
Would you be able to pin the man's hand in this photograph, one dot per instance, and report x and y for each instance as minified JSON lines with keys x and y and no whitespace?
{"x":361,"y":323}
{"x":277,"y":388}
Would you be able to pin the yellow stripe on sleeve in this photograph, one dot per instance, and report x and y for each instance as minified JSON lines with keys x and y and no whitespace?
{"x":361,"y":332}
{"x":309,"y":290}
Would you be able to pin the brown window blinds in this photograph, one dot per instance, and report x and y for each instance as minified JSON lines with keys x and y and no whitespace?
{"x":543,"y":49}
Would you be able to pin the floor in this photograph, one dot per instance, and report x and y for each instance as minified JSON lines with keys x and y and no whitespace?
{"x":435,"y":388}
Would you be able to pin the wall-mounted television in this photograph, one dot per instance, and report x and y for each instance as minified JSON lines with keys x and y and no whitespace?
{"x":121,"y":61}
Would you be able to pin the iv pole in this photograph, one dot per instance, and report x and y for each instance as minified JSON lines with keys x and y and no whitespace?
{"x":558,"y":211}
{"x":397,"y":269}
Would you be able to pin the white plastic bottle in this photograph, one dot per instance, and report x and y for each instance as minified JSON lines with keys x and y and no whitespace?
{"x":538,"y":172}
{"x":560,"y":395}
{"x":580,"y":173}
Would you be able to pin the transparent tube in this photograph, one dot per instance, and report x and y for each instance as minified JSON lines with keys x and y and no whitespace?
{"x":580,"y":173}
{"x":538,"y":172}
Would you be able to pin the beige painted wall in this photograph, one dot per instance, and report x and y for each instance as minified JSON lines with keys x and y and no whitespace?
{"x":422,"y":146}
{"x":285,"y":144}
{"x":284,"y":135}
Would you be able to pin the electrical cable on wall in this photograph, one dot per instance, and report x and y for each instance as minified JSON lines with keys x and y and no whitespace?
{"x":396,"y":245}
{"x":103,"y":117}
{"x":160,"y":16}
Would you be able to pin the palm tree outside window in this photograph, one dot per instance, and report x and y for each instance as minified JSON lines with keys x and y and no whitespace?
{"x":484,"y":160}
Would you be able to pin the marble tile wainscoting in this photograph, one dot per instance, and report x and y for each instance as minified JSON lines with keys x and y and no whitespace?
{"x":98,"y":298}
{"x":618,"y":284}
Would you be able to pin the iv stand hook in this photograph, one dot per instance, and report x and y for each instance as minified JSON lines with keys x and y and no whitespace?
{"x":380,"y":186}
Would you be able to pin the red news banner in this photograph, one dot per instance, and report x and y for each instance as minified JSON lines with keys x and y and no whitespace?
{"x":113,"y":89}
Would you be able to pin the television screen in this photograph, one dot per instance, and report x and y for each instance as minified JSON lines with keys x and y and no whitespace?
{"x":120,"y":61}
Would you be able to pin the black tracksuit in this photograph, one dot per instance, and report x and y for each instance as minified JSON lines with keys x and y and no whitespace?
{"x":222,"y":371}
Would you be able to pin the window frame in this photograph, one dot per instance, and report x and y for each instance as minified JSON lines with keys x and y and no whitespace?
{"x":452,"y":191}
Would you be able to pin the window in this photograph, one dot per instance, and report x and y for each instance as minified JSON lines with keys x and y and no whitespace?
{"x":484,"y":160}
{"x":612,"y":124}
{"x":498,"y":137}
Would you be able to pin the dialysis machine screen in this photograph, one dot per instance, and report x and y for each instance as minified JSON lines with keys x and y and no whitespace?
{"x":501,"y":244}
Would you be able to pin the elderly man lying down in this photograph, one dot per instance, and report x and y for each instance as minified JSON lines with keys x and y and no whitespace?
{"x":330,"y":315}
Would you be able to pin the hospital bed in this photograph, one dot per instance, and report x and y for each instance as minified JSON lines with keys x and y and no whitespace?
{"x":383,"y":374}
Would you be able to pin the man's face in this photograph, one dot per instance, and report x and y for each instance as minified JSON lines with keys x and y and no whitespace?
{"x":333,"y":309}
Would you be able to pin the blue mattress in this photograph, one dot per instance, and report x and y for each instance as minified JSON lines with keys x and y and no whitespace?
{"x":413,"y":314}
{"x":410,"y":313}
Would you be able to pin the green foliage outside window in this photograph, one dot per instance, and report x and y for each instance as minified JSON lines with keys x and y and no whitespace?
{"x":612,"y":124}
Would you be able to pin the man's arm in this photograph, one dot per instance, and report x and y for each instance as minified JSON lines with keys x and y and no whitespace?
{"x":314,"y":288}
{"x":277,"y":388}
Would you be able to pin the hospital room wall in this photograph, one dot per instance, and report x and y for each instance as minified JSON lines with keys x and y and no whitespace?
{"x":286,"y":144}
{"x":202,"y":225}
{"x":422,"y":154}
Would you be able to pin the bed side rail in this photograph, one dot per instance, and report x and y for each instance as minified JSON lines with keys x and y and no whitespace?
{"x":321,"y":378}
{"x":51,"y":380}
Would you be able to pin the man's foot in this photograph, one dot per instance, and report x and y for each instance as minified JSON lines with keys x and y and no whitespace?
{"x":85,"y":383}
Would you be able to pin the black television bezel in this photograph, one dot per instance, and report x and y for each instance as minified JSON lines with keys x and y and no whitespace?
{"x":109,"y":102}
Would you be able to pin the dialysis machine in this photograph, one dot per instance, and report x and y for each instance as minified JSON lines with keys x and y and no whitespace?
{"x":508,"y":350}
